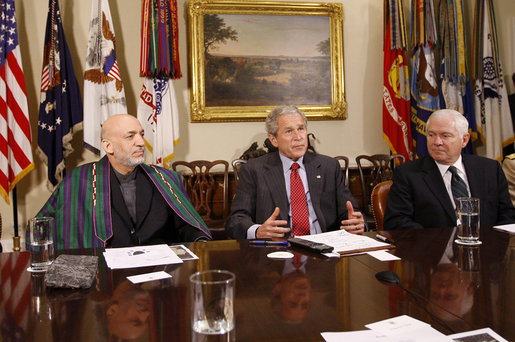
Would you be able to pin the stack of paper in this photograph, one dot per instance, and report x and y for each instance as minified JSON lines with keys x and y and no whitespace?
{"x":405,"y":329}
{"x":140,"y":256}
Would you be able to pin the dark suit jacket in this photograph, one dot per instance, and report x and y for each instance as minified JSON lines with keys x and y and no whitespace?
{"x":156,"y":222}
{"x":261,"y":188}
{"x":418,"y":197}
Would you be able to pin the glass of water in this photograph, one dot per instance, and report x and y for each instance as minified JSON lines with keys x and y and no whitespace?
{"x":41,"y":243}
{"x":212,"y":297}
{"x":467,"y":209}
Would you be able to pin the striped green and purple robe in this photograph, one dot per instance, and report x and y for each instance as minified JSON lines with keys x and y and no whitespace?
{"x":81,"y":204}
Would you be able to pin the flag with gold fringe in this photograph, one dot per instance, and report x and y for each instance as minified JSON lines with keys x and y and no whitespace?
{"x":60,"y":107}
{"x":103,"y":88}
{"x":396,"y":97}
{"x":424,"y":87}
{"x":455,"y":88}
{"x":15,"y":135}
{"x":493,"y":116}
{"x":159,"y":63}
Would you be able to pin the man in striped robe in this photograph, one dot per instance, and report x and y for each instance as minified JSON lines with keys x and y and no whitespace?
{"x":119,"y":201}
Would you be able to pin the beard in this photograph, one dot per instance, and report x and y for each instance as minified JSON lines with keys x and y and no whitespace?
{"x":127,"y":159}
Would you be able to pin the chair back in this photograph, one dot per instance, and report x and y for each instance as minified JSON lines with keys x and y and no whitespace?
{"x":345,"y":167}
{"x":236,"y":164}
{"x":378,"y":199}
{"x":381,"y":169}
{"x":209,"y":196}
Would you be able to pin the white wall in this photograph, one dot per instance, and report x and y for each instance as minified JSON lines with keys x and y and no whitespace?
{"x":360,"y":133}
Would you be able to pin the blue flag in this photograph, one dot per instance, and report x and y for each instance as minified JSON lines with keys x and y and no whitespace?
{"x":60,"y":108}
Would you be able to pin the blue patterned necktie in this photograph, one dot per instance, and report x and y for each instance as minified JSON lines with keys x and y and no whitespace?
{"x":458,"y":186}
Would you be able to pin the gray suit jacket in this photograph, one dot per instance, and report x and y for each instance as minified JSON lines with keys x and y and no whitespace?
{"x":418,"y":197}
{"x":261,"y":188}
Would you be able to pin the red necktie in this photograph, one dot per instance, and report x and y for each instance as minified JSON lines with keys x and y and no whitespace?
{"x":299,"y":207}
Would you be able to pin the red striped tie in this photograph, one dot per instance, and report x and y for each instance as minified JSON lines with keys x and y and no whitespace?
{"x":299,"y":207}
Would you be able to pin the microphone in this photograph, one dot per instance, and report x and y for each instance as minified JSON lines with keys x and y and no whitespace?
{"x":391,"y":278}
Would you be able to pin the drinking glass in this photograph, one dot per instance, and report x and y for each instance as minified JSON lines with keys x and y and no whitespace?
{"x":41,"y":243}
{"x":467,"y":209}
{"x":212,"y":296}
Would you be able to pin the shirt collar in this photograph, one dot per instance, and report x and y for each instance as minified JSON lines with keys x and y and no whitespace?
{"x":287,"y":162}
{"x":458,"y":164}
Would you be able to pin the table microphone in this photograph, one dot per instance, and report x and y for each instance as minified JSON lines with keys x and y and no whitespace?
{"x":392,"y":279}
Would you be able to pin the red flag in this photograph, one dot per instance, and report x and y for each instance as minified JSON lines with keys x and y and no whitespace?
{"x":396,"y":99}
{"x":15,"y":137}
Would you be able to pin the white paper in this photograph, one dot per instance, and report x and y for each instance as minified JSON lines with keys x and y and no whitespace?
{"x":140,"y":256}
{"x":397,"y":325}
{"x":476,"y":333}
{"x":141,"y":278}
{"x":342,"y":241}
{"x":355,"y":336}
{"x":383,"y":255}
{"x":510,"y":228}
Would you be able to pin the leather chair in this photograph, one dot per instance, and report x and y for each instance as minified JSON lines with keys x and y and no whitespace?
{"x":345,"y":167}
{"x":236,"y":164}
{"x":209,"y":196}
{"x":381,"y":169}
{"x":378,"y":199}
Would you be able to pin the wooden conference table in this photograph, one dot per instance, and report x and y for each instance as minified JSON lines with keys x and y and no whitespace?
{"x":274,"y":301}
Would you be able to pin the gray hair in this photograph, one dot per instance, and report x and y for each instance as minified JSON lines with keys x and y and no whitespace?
{"x":460,"y":121}
{"x":272,"y":119}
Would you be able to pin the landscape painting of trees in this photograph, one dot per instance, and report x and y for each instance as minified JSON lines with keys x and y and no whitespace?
{"x":287,"y":61}
{"x":245,"y":61}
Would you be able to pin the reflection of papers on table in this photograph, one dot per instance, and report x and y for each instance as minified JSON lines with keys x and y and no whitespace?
{"x":510,"y":228}
{"x":347,"y":243}
{"x":140,"y":256}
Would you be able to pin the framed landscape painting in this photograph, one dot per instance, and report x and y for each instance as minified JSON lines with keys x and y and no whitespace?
{"x":247,"y":57}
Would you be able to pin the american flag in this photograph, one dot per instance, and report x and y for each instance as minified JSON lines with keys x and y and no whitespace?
{"x":15,"y":138}
{"x":60,"y":108}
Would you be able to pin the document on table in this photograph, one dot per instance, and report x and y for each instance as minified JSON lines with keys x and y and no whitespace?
{"x":347,"y":243}
{"x":140,"y":256}
{"x":510,"y":228}
{"x":397,"y":329}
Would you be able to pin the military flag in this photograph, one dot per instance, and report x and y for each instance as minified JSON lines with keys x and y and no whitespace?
{"x":159,"y":39}
{"x":493,"y":116}
{"x":396,"y":98}
{"x":424,"y":87}
{"x":455,"y":88}
{"x":60,"y":107}
{"x":103,"y":88}
{"x":15,"y":136}
{"x":159,"y":62}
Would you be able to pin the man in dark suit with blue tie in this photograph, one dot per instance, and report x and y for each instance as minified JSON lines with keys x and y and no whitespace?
{"x":423,"y":190}
{"x":264,"y":206}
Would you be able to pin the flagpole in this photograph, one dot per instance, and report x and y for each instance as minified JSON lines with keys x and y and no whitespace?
{"x":16,"y":237}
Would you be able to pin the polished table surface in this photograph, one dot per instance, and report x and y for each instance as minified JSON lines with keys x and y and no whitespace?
{"x":454,"y":289}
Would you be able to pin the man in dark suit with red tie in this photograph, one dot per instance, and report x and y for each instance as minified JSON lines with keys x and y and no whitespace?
{"x":291,"y":187}
{"x":423,"y":190}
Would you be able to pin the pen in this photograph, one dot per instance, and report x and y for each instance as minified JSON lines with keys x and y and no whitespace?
{"x":384,"y":239}
{"x":268,"y":243}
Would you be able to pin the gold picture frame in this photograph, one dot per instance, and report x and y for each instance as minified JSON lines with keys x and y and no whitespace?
{"x":274,"y":71}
